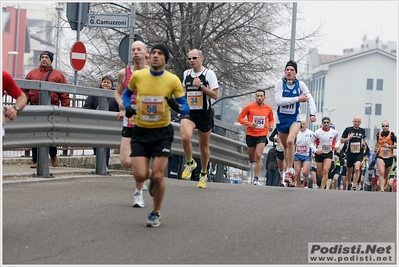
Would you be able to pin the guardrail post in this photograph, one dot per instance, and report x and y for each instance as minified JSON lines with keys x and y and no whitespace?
{"x":43,"y":152}
{"x":42,"y":163}
{"x":100,"y":160}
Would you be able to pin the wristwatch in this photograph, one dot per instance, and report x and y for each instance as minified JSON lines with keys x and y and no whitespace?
{"x":17,"y":109}
{"x":201,"y":86}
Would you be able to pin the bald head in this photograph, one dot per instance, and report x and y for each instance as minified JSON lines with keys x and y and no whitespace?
{"x":197,"y":52}
{"x":356,"y":122}
{"x":139,"y":44}
{"x":139,"y":52}
{"x":304,"y":124}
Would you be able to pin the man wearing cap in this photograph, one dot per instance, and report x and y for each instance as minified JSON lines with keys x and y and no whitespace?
{"x":201,"y":85}
{"x":45,"y":72}
{"x":289,"y":92}
{"x":152,"y":136}
{"x":327,"y":141}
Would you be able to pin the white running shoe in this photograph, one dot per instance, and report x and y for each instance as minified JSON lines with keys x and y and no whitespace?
{"x":138,"y":201}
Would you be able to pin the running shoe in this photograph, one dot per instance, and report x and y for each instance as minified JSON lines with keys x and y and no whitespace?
{"x":154,"y":220}
{"x":290,"y":178}
{"x":138,"y":201}
{"x":188,"y":169}
{"x":349,"y":186}
{"x":256,"y":181}
{"x":202,"y":181}
{"x":151,"y":188}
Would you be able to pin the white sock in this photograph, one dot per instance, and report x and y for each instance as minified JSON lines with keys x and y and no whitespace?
{"x":138,"y":191}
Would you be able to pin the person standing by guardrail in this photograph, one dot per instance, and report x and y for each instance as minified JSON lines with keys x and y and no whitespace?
{"x":200,"y":85}
{"x":153,"y":133}
{"x":289,"y":92}
{"x":12,"y":89}
{"x":45,"y":72}
{"x":93,"y":102}
{"x":139,"y":55}
{"x":260,"y":120}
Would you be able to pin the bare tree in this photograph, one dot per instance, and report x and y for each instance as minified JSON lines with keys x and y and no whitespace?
{"x":244,"y":43}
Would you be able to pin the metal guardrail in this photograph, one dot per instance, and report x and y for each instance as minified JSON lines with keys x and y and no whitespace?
{"x":48,"y":126}
{"x":45,"y":125}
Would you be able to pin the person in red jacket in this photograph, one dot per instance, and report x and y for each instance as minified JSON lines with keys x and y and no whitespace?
{"x":260,"y":120}
{"x":45,"y":72}
{"x":11,"y":88}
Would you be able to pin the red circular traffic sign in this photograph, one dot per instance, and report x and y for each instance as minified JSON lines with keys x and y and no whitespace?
{"x":78,"y":56}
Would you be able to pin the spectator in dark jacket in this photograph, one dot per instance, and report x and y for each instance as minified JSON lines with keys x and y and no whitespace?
{"x":93,"y":102}
{"x":271,"y":168}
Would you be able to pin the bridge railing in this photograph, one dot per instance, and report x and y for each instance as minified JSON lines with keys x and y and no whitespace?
{"x":46,"y":126}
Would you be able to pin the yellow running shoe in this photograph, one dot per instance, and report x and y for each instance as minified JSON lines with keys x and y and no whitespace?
{"x":188,"y":169}
{"x":202,"y":181}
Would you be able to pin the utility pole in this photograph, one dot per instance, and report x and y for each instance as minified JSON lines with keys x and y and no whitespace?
{"x":59,"y":10}
{"x":293,"y":31}
{"x":75,"y":78}
{"x":131,"y":36}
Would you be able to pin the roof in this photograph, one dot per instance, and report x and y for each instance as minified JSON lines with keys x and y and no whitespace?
{"x":357,"y":55}
{"x":328,"y":58}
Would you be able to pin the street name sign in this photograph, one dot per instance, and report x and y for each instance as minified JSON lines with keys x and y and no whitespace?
{"x":107,"y":21}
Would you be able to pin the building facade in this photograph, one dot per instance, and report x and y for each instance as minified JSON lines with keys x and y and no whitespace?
{"x":362,"y":83}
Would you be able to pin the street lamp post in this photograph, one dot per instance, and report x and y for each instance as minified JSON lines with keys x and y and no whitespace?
{"x":329,"y":110}
{"x":11,"y":53}
{"x":57,"y":56}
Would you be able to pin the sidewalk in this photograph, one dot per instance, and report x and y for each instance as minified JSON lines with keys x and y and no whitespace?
{"x":18,"y":169}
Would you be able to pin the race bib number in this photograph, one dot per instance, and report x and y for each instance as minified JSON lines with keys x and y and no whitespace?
{"x":301,"y":149}
{"x":385,"y":152}
{"x":260,"y":121}
{"x":152,"y":108}
{"x":355,"y":147}
{"x":288,"y":109}
{"x":325,"y":148}
{"x":194,"y":99}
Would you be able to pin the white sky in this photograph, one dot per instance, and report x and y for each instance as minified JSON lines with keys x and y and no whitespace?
{"x":346,"y":22}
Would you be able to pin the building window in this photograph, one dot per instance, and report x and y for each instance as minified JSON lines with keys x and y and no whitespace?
{"x":367,"y":110}
{"x":369,"y":84}
{"x":379,"y":84}
{"x":378,"y":108}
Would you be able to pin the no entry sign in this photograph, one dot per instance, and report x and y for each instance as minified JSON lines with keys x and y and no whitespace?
{"x":78,"y":56}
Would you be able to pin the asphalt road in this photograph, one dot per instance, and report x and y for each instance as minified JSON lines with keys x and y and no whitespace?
{"x":90,"y":220}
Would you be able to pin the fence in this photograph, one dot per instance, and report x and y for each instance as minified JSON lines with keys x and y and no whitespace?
{"x":44,"y":126}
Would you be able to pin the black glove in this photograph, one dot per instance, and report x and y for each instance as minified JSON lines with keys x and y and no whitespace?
{"x":173,"y":104}
{"x":129,"y":112}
